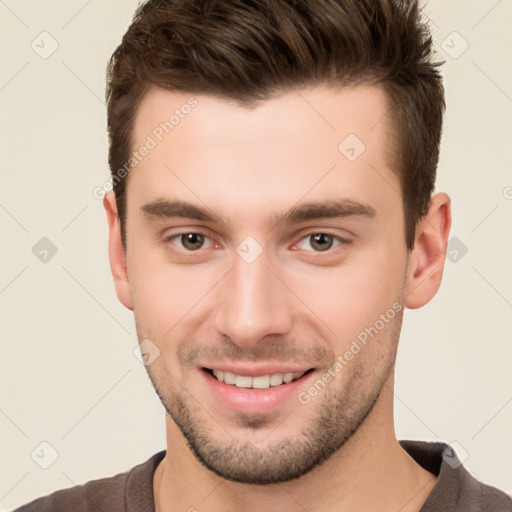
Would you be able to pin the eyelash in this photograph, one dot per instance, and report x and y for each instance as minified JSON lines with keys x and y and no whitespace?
{"x":341,"y":241}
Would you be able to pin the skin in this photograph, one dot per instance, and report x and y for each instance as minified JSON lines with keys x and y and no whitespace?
{"x":294,"y":302}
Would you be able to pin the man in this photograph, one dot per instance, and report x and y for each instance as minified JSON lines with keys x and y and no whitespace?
{"x":273,"y":167}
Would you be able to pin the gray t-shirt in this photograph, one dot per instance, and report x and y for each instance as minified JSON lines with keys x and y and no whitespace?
{"x":456,"y":490}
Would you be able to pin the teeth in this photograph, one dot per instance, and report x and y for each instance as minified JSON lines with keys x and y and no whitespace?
{"x":260,"y":382}
{"x":243,"y":382}
{"x":229,"y":378}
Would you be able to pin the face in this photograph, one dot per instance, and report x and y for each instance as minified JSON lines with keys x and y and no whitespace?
{"x":259,"y":246}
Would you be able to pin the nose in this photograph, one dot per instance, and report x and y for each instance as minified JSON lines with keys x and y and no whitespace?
{"x":253,"y":303}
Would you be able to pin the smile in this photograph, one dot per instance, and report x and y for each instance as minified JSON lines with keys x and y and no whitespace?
{"x":258,"y":382}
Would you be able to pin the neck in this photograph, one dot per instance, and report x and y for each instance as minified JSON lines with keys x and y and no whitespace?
{"x":370,"y":472}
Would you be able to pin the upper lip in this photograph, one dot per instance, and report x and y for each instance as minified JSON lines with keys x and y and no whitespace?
{"x":253,"y":370}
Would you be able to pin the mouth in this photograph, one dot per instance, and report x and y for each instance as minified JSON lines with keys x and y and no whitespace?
{"x":260,"y":382}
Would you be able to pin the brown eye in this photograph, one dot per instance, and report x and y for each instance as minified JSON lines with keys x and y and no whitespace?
{"x":320,"y":242}
{"x":189,"y":242}
{"x":192,"y":241}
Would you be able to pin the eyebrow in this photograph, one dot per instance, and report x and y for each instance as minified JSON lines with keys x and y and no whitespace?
{"x":337,"y":208}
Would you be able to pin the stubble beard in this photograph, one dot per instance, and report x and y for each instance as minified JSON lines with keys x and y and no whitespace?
{"x":339,"y":412}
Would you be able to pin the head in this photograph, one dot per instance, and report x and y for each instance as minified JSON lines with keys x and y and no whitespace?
{"x":286,"y":211}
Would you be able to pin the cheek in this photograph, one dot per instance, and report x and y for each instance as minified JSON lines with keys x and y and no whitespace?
{"x":352,"y":296}
{"x":164,"y":294}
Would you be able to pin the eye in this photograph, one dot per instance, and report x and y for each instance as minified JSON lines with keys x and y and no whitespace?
{"x":191,"y":241}
{"x":321,"y":242}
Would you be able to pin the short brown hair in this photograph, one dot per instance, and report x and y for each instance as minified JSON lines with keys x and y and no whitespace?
{"x":247,"y":50}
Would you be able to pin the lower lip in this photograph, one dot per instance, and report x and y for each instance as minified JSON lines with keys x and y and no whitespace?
{"x":251,"y":401}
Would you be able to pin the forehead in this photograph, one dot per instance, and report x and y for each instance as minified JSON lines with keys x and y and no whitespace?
{"x":286,"y":115}
{"x":313,"y":142}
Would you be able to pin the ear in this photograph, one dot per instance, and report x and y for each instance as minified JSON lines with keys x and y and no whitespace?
{"x":116,"y":251}
{"x":426,"y":261}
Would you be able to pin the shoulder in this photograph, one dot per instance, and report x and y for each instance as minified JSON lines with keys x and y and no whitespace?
{"x":487,"y":496}
{"x":456,"y":489}
{"x":496,"y":498}
{"x":91,"y":496}
{"x":122,"y":492}
{"x":96,"y":495}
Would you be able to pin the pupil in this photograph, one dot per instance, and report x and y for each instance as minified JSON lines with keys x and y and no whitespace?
{"x":320,"y":239}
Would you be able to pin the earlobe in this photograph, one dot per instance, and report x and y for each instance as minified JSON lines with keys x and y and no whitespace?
{"x":116,"y":252}
{"x":426,"y":261}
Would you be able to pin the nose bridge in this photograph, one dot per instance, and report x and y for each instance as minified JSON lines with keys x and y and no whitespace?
{"x":252,"y":302}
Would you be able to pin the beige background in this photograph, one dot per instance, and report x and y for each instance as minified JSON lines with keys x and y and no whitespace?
{"x":69,"y":376}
